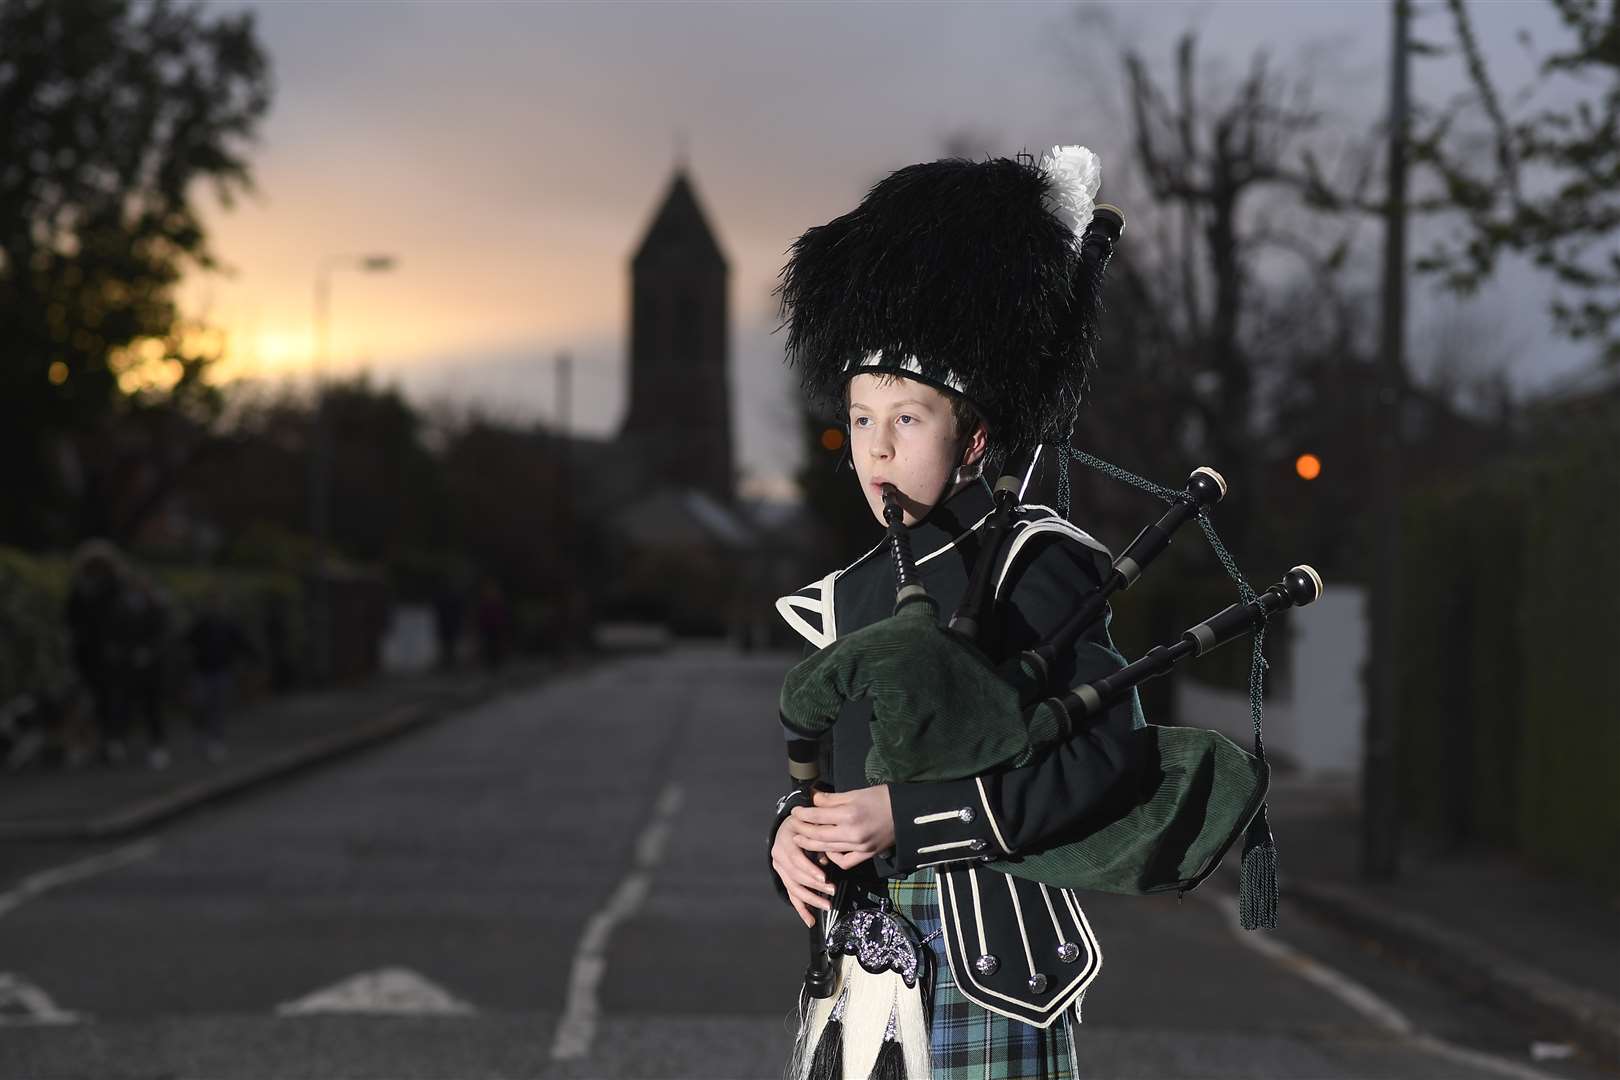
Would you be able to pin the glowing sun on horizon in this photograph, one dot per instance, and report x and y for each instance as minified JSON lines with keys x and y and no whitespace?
{"x":266,"y":353}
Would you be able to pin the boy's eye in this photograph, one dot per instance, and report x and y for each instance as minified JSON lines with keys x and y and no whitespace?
{"x":906,"y":418}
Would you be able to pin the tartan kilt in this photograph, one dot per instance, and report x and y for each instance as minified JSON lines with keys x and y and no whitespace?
{"x":969,"y":1042}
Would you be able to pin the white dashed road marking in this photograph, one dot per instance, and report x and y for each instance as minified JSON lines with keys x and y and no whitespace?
{"x":577,"y":1028}
{"x":46,"y":880}
{"x":391,"y":991}
{"x":21,"y":1002}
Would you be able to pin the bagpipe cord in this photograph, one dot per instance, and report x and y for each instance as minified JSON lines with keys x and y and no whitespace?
{"x":1257,"y":880}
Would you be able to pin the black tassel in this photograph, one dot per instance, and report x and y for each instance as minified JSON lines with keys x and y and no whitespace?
{"x":891,"y":1062}
{"x":1257,"y":879}
{"x":827,"y":1063}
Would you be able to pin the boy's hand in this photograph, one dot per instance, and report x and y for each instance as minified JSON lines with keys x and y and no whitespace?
{"x":806,"y":883}
{"x":850,"y":826}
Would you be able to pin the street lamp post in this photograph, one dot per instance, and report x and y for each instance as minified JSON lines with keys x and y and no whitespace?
{"x":320,"y":474}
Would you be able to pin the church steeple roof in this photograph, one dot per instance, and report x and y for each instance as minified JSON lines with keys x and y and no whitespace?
{"x":680,"y":229}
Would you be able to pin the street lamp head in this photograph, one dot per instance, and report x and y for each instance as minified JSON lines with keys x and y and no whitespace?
{"x":377,"y":264}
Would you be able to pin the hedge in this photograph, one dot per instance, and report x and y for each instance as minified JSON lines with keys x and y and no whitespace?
{"x":1509,"y":732}
{"x":35,"y":655}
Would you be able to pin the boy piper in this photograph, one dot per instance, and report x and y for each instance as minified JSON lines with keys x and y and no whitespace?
{"x":951,"y":318}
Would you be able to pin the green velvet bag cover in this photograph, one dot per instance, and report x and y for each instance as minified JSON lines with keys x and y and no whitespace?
{"x":945,"y":712}
{"x":942,"y":712}
{"x":1197,"y":793}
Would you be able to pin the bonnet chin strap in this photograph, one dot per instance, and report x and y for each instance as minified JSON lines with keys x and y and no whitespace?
{"x":947,"y":487}
{"x":1029,"y":473}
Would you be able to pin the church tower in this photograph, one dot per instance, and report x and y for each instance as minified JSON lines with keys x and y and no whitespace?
{"x":678,"y":425}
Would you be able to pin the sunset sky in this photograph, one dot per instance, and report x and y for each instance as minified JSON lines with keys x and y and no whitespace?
{"x":510,"y":156}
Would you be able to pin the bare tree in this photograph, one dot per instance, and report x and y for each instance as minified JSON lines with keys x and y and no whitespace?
{"x":1208,"y":317}
{"x":1545,"y":185}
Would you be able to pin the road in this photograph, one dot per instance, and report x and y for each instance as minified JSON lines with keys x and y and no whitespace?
{"x":571,"y":882}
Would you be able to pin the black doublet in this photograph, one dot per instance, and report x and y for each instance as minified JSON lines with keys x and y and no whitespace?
{"x":1042,"y":953}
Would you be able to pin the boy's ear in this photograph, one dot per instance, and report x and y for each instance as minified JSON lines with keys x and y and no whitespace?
{"x":977,"y":439}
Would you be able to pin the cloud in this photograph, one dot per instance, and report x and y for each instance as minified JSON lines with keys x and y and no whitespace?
{"x":511,"y":155}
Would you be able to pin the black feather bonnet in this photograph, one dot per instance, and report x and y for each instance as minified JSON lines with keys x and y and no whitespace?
{"x":962,"y":274}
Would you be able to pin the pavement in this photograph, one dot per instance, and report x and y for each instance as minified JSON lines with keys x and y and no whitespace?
{"x":1487,"y":924}
{"x":265,"y":740}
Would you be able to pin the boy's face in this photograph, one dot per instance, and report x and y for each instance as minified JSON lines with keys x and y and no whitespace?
{"x":904,"y":433}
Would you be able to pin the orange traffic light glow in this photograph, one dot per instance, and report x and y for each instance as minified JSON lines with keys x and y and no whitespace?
{"x":832,"y":439}
{"x":1308,"y":466}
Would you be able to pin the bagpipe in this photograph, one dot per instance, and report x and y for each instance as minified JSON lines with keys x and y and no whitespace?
{"x":943,"y":710}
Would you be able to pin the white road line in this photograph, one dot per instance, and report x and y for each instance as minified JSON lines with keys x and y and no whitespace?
{"x":391,"y":991}
{"x":577,"y":1028}
{"x":21,"y":1002}
{"x":1359,"y":998}
{"x":46,"y":880}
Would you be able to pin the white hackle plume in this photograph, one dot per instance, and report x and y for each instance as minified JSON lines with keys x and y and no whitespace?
{"x":1076,"y":175}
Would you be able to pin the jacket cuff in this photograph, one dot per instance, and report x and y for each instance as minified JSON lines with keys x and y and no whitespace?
{"x":941,"y":824}
{"x":784,"y":807}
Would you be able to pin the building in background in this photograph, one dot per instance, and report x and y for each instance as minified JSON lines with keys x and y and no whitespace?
{"x":678,"y":424}
{"x":682,"y":550}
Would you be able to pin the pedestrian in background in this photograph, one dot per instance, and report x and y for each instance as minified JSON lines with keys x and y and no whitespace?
{"x":449,"y":603}
{"x":96,"y":585}
{"x":217,"y":643}
{"x":494,"y":624}
{"x":140,"y":647}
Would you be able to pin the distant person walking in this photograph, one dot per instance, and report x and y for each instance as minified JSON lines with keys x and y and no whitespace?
{"x":449,"y":610}
{"x":95,"y":588}
{"x":216,"y":643}
{"x":494,"y":625}
{"x":140,"y":648}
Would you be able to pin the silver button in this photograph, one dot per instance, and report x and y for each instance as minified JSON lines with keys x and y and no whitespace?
{"x":986,"y":964}
{"x":979,"y":845}
{"x":1037,"y":983}
{"x":1068,"y":952}
{"x":966,"y":815}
